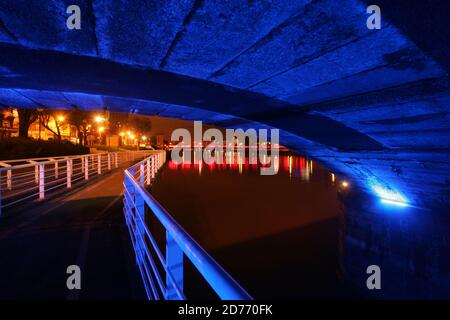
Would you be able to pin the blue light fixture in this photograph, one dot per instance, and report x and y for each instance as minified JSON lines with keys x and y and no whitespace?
{"x":394,"y":203}
{"x":389,"y":196}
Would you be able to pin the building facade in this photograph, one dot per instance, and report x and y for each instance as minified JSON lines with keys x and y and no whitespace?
{"x":9,"y":128}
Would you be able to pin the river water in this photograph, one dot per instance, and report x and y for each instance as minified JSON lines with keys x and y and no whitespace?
{"x":277,"y":235}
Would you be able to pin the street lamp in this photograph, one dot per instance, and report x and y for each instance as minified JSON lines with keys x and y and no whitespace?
{"x":99,"y":119}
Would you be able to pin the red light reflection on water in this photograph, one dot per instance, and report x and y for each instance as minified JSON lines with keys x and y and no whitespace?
{"x":291,"y":165}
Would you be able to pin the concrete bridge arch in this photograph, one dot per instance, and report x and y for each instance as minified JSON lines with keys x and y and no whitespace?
{"x":371,"y":105}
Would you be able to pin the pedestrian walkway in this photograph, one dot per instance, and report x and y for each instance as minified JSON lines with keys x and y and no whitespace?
{"x":85,"y":228}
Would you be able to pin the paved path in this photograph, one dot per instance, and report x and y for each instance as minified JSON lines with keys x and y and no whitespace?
{"x":85,"y":228}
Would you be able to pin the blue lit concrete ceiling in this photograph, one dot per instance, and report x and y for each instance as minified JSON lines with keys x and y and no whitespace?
{"x":371,"y":104}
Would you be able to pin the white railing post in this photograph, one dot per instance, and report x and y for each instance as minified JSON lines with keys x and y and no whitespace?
{"x":141,"y":174}
{"x":109,"y":161}
{"x":69,"y":173}
{"x":140,"y":215}
{"x":117,"y":159}
{"x":86,"y":168}
{"x":100,"y":163}
{"x":41,"y":181}
{"x":128,"y":197}
{"x":153,"y":167}
{"x":174,"y":266}
{"x":9,"y":179}
{"x":36,"y":174}
{"x":148,"y":171}
{"x":56,"y":170}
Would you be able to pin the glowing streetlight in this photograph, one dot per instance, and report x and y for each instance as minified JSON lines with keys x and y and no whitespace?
{"x":60,"y":118}
{"x":144,"y":138}
{"x":344,"y":184}
{"x":101,"y":129}
{"x":99,"y":119}
{"x":122,"y":134}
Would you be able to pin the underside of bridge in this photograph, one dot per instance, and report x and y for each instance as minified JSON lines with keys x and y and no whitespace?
{"x":371,"y":105}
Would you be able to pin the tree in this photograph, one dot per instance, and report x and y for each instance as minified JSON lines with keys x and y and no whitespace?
{"x":26,"y":118}
{"x":10,"y":118}
{"x":46,"y":117}
{"x":117,"y":122}
{"x":141,"y":124}
{"x":80,"y":119}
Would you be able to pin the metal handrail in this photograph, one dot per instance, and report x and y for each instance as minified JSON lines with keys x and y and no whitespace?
{"x":37,"y":176}
{"x":45,"y":158}
{"x":4,"y":164}
{"x":178,"y":241}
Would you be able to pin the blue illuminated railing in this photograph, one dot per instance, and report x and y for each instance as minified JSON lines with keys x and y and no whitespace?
{"x":137,"y":200}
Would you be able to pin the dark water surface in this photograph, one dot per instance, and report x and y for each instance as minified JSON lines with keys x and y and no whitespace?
{"x":278,"y":235}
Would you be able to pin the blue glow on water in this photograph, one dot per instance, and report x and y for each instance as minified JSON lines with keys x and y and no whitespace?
{"x":389,"y":196}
